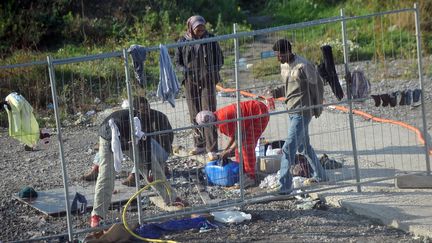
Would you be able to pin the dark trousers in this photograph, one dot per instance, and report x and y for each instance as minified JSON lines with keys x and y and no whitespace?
{"x":201,"y":98}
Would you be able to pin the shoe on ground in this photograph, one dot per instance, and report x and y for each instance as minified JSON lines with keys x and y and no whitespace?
{"x":95,"y":221}
{"x":197,"y":150}
{"x":212,"y":156}
{"x":130,"y":180}
{"x":92,"y":175}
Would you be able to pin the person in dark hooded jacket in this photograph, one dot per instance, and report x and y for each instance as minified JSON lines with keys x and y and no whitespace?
{"x":200,"y":64}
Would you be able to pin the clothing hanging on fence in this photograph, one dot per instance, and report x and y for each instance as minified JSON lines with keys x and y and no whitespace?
{"x":115,"y":145}
{"x":404,"y":97}
{"x":327,"y":71}
{"x":22,"y":122}
{"x":360,"y":85}
{"x":168,"y":87}
{"x":139,"y":55}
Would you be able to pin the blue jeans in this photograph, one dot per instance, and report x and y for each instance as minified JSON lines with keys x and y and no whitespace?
{"x":298,"y":140}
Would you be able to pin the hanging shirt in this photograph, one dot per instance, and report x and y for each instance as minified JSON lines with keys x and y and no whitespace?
{"x":168,"y":87}
{"x":22,"y":122}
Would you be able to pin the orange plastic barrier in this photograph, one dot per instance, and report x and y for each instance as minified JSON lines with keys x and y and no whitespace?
{"x":344,"y":109}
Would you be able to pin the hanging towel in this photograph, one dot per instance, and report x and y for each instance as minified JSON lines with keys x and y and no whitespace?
{"x":115,"y":145}
{"x":168,"y":87}
{"x":139,"y":55}
{"x":22,"y":122}
{"x":138,"y":132}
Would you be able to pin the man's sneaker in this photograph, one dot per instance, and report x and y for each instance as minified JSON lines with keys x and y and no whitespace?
{"x":197,"y":150}
{"x":130,"y":180}
{"x":95,"y":221}
{"x":212,"y":156}
{"x":92,"y":175}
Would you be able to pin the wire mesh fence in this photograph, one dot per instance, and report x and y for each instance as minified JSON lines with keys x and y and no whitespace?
{"x":237,"y":85}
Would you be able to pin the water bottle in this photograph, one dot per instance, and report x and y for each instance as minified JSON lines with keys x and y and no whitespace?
{"x":269,"y":150}
{"x":261,"y":144}
{"x":257,"y":148}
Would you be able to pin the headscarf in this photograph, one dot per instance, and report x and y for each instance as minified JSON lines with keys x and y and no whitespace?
{"x":204,"y":117}
{"x":192,"y":23}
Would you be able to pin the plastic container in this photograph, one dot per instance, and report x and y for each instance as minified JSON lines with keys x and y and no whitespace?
{"x":226,"y":175}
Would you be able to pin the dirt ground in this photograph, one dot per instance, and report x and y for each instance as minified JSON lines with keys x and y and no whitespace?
{"x":279,"y":221}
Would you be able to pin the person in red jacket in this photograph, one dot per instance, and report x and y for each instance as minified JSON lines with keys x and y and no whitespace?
{"x":252,"y":129}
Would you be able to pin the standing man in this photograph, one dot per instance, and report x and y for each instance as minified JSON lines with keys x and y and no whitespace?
{"x":304,"y":88}
{"x":115,"y":135}
{"x":200,"y":64}
{"x":251,"y":131}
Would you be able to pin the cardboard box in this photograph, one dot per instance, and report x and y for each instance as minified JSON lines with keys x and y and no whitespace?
{"x":269,"y":164}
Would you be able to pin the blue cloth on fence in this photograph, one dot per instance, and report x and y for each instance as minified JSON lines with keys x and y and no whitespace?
{"x":168,"y":87}
{"x":139,"y":54}
{"x":79,"y":204}
{"x":156,"y":230}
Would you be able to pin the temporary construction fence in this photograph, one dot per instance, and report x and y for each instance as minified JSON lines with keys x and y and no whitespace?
{"x":370,"y":151}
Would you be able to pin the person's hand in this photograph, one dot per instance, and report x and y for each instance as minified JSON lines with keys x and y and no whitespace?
{"x":224,"y":154}
{"x":227,"y":153}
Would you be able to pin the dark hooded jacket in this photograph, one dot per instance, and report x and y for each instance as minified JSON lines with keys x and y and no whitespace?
{"x":200,"y":63}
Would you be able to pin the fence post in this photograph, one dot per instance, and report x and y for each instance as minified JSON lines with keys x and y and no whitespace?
{"x":60,"y":141}
{"x":349,"y":96}
{"x":239,"y":122}
{"x":420,"y":73}
{"x":132,"y":130}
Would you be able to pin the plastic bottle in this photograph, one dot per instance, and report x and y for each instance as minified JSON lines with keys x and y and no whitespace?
{"x":269,"y":150}
{"x":262,"y":146}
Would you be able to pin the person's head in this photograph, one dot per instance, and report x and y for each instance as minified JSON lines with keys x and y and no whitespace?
{"x":283,"y":51}
{"x":196,"y":26}
{"x":142,"y":105}
{"x":204,"y":117}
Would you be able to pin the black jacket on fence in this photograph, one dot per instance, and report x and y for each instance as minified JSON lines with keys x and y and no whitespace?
{"x":327,"y":70}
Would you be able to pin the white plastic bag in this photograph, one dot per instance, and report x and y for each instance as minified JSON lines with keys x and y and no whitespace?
{"x":231,"y":216}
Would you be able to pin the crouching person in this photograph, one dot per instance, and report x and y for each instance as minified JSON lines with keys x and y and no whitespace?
{"x":118,"y":124}
{"x":251,"y":131}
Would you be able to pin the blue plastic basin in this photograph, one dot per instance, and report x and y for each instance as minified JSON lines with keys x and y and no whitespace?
{"x":226,"y":175}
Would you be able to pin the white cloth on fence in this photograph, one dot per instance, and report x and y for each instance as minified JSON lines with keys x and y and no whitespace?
{"x":138,"y":132}
{"x":168,"y":87}
{"x":115,"y":145}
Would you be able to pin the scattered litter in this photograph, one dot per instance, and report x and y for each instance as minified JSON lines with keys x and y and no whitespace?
{"x":90,"y":113}
{"x":306,"y":205}
{"x":125,"y":104}
{"x":270,"y":181}
{"x":231,"y":216}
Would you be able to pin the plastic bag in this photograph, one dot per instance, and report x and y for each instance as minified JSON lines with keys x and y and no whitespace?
{"x":231,"y":216}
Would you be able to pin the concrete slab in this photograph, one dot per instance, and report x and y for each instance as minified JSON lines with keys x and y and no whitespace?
{"x":414,"y":181}
{"x":52,"y":202}
{"x":408,"y":210}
